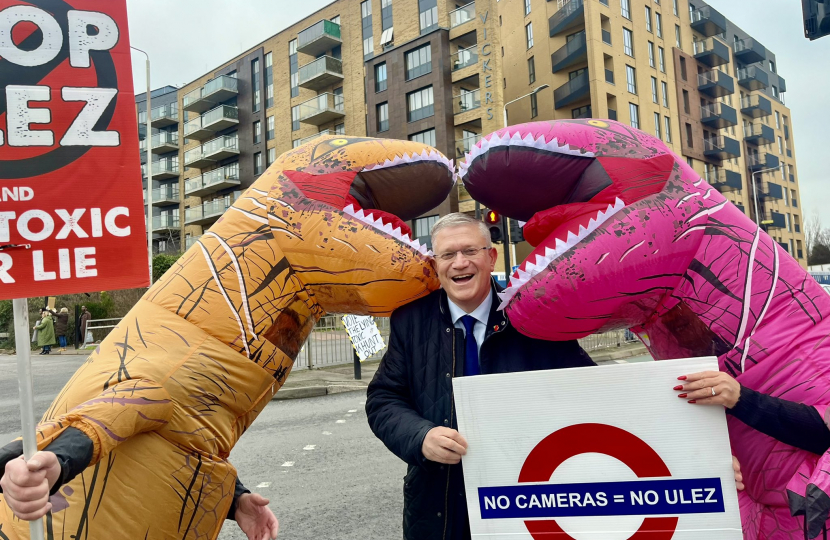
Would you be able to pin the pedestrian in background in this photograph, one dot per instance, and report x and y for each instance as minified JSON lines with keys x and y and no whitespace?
{"x":61,"y":326}
{"x":45,"y":332}
{"x":85,"y":317}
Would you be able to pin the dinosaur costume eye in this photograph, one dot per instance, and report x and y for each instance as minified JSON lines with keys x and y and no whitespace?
{"x":339,"y":142}
{"x":598,"y":123}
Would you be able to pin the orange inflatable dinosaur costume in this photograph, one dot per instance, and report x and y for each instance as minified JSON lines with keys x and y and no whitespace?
{"x":166,"y":396}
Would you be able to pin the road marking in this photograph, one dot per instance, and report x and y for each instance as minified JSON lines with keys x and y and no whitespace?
{"x":362,"y":403}
{"x":348,"y":415}
{"x":288,"y":464}
{"x":327,"y":433}
{"x":264,"y":485}
{"x":352,"y":410}
{"x":340,"y":422}
{"x":310,"y":447}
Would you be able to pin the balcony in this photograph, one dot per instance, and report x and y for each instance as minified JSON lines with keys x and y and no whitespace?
{"x":570,"y":15}
{"x":212,"y":181}
{"x":462,"y":15}
{"x":725,"y":181}
{"x":465,"y":57}
{"x":213,"y":121}
{"x":166,"y":195}
{"x":753,"y":78}
{"x":571,"y":53}
{"x":718,"y":116}
{"x":322,"y":109}
{"x":711,"y":52}
{"x":166,"y":222}
{"x":465,"y":144}
{"x":773,"y":220}
{"x":721,"y":147}
{"x":708,"y":21}
{"x":572,"y":91}
{"x":321,"y":73}
{"x":191,"y":241}
{"x":770,"y":191}
{"x":466,"y":101}
{"x":164,"y":116}
{"x":749,"y":51}
{"x":163,"y":169}
{"x":212,"y":151}
{"x":319,"y":38}
{"x":759,"y":162}
{"x":759,"y":134}
{"x":782,"y":84}
{"x":210,"y":211}
{"x":300,"y":142}
{"x":165,"y":142}
{"x":213,"y":93}
{"x":715,"y":84}
{"x":756,"y":106}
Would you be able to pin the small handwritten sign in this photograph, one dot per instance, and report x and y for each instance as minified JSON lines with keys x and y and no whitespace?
{"x":364,"y":334}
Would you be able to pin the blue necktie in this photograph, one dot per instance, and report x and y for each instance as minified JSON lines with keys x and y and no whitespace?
{"x":471,"y":353}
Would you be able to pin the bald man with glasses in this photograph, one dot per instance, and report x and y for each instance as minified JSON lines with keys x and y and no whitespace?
{"x":456,"y":331}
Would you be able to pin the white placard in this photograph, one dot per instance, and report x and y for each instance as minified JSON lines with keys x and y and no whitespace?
{"x":540,"y":447}
{"x":364,"y":334}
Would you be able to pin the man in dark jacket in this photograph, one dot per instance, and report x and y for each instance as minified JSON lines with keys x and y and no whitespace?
{"x":456,"y":331}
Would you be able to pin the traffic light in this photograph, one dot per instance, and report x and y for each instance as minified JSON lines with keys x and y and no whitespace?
{"x":816,"y":18}
{"x":493,"y":221}
{"x":516,"y":235}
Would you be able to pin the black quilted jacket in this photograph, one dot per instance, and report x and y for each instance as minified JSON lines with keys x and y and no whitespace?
{"x":411,"y":393}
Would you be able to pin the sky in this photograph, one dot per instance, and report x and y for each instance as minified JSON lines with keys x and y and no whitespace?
{"x":187,"y":38}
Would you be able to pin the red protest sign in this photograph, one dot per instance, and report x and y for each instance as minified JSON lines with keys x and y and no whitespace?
{"x":70,"y":175}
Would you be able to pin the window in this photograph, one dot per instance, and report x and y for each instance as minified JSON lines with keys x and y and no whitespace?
{"x":793,"y":200}
{"x":631,"y":79}
{"x":428,"y":10}
{"x":422,"y":227}
{"x":625,"y":8}
{"x":654,"y":90}
{"x":294,"y":68}
{"x":667,"y":122}
{"x":386,"y":20}
{"x":271,"y":157}
{"x":677,"y":40}
{"x":657,"y":125}
{"x":780,"y":148}
{"x":340,"y":129}
{"x":418,"y":62}
{"x":661,"y":56}
{"x":380,"y":77}
{"x":628,"y":42}
{"x":269,"y":80}
{"x":534,"y":108}
{"x":383,"y":116}
{"x":689,"y":139}
{"x":658,"y":24}
{"x":772,"y":66}
{"x":527,"y":8}
{"x":258,"y":163}
{"x":775,"y":92}
{"x":674,"y":7}
{"x":777,"y":120}
{"x":269,"y":134}
{"x":257,"y":132}
{"x":366,"y":19}
{"x":648,"y":19}
{"x":634,"y":115}
{"x":419,"y":104}
{"x":665,"y":91}
{"x":581,"y":112}
{"x":295,"y":118}
{"x":531,"y":71}
{"x":529,"y":34}
{"x":255,"y":84}
{"x":424,"y":137}
{"x":650,"y":54}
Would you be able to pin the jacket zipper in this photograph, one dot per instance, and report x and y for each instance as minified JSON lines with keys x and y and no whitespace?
{"x":452,"y":413}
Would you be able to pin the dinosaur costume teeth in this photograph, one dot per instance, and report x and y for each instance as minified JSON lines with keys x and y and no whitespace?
{"x":628,"y":235}
{"x":166,"y":396}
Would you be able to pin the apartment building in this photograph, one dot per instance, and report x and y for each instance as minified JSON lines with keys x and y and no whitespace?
{"x":440,"y":72}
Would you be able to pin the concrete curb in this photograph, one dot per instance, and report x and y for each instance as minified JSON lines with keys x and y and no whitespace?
{"x":316,"y":391}
{"x":619,"y":355}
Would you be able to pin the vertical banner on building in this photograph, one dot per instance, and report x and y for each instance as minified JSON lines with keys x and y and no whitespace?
{"x":71,"y":203}
{"x":596,"y":453}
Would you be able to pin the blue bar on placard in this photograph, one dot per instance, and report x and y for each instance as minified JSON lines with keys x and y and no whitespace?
{"x":638,"y":497}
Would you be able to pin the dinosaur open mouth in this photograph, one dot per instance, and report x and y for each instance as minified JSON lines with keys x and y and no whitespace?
{"x":562,"y":238}
{"x":387,"y":223}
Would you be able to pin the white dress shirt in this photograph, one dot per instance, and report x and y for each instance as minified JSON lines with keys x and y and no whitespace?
{"x":481,"y":314}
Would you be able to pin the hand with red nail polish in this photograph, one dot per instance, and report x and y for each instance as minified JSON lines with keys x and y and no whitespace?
{"x":710,"y":388}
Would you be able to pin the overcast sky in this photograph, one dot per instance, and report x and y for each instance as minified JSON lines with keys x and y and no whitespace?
{"x":186,"y":38}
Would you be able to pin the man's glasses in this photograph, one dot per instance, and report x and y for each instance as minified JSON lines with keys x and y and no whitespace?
{"x":468,"y":253}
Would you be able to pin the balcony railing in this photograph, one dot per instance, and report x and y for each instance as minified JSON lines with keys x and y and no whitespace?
{"x":753,"y":78}
{"x":164,"y":116}
{"x":465,"y":144}
{"x":749,"y":51}
{"x":466,"y":101}
{"x":300,"y":142}
{"x":212,"y":181}
{"x":215,"y":150}
{"x":711,"y":52}
{"x":166,"y":221}
{"x":202,"y":127}
{"x":211,"y":94}
{"x":756,"y":106}
{"x":721,"y":147}
{"x":569,"y":15}
{"x":322,"y":109}
{"x":322,"y":72}
{"x":209,"y":211}
{"x":162,"y":169}
{"x":191,"y":241}
{"x":758,"y":134}
{"x":571,"y":53}
{"x":166,"y":195}
{"x":165,"y":141}
{"x":718,"y":116}
{"x":708,"y":21}
{"x":572,"y":91}
{"x":465,"y":57}
{"x":715,"y":83}
{"x":725,"y":180}
{"x":757,"y":162}
{"x":462,"y":15}
{"x":319,"y":38}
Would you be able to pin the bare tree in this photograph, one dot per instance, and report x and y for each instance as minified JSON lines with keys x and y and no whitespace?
{"x":815,"y":234}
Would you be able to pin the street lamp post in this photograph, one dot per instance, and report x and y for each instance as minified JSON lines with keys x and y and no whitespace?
{"x":504,"y":223}
{"x":755,"y":193}
{"x":149,"y":162}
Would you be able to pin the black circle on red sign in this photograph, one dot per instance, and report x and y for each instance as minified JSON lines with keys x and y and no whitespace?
{"x":612,"y":441}
{"x":28,"y":76}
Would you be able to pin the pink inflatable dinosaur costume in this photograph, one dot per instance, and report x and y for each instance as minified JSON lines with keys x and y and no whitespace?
{"x":627,"y":235}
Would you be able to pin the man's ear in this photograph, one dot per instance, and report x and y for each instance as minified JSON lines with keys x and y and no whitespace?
{"x":494,"y":255}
